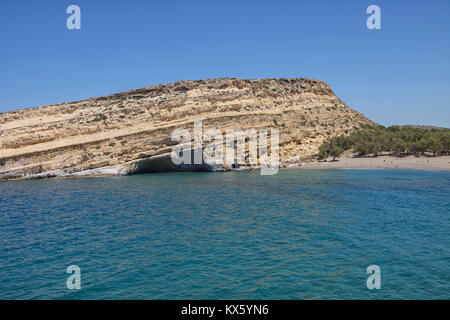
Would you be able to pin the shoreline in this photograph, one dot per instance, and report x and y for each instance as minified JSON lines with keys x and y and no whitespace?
{"x":380,"y":162}
{"x":383,"y":162}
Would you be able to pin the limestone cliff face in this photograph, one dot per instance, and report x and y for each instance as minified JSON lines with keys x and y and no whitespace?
{"x":130,"y":132}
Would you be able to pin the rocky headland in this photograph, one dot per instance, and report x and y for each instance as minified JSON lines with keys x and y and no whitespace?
{"x":130,"y":132}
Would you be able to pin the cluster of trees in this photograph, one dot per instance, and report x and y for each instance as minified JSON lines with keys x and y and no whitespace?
{"x":394,"y":140}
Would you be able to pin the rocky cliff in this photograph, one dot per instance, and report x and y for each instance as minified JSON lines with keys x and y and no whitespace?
{"x":130,"y":132}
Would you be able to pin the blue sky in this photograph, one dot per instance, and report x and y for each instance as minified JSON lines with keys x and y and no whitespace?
{"x":397,"y":75}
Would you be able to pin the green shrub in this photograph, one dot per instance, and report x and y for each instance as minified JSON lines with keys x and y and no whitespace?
{"x":98,"y":118}
{"x":395,"y":140}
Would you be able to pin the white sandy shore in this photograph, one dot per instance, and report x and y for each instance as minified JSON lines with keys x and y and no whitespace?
{"x":381,"y":162}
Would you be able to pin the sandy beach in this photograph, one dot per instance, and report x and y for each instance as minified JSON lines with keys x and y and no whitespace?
{"x":382,"y":162}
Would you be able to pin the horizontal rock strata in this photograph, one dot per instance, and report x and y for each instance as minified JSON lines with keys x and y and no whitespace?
{"x":130,"y":132}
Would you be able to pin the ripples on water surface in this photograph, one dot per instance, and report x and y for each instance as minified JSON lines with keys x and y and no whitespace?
{"x":297,"y":235}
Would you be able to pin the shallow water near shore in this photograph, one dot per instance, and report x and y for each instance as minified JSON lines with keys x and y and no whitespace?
{"x":301,"y":234}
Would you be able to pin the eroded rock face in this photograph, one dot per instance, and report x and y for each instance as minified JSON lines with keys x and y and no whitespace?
{"x":130,"y":132}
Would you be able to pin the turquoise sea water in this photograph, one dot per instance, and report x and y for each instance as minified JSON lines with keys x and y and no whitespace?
{"x":301,"y":234}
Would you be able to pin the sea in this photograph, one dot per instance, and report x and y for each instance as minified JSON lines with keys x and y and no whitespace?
{"x":299,"y":234}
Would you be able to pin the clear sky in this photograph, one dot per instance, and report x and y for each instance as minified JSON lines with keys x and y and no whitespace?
{"x":397,"y":75}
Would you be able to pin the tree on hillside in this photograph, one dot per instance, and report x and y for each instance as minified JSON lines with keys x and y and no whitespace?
{"x":336,"y":150}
